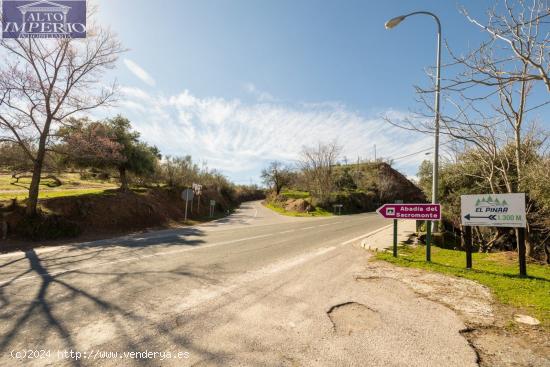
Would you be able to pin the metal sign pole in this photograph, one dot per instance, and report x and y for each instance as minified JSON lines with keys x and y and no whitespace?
{"x":395,"y":238}
{"x":428,"y":241}
{"x":468,"y":242}
{"x":521,"y":252}
{"x":186,"y":201}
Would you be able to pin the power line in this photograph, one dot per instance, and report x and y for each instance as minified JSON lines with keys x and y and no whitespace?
{"x":417,"y":152}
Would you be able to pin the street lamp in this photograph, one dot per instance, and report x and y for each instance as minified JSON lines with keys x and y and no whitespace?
{"x":393,"y":23}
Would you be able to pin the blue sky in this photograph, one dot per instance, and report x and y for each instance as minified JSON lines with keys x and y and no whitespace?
{"x":237,"y":83}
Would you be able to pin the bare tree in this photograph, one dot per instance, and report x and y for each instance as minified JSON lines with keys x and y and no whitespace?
{"x":519,"y":27}
{"x":487,"y":93}
{"x":45,"y":81}
{"x":277,"y":175}
{"x":317,"y":165}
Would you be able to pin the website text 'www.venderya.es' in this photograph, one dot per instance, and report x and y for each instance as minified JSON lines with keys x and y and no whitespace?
{"x":28,"y":354}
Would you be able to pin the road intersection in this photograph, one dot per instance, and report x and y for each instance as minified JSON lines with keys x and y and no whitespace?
{"x":253,"y":289}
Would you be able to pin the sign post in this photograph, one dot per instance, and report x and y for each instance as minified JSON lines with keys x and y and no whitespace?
{"x":212,"y":206}
{"x":197,"y":189}
{"x":428,"y":241}
{"x":427,"y":212}
{"x":395,"y":238}
{"x":339,"y":207}
{"x":495,"y":210}
{"x":187,"y":196}
{"x":467,"y":243}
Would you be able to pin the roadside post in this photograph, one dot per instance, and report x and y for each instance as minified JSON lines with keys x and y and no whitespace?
{"x":212,"y":206}
{"x":495,"y":210}
{"x":395,"y":231}
{"x":395,"y":238}
{"x":197,"y":190}
{"x":187,"y":196}
{"x":467,"y":243}
{"x":428,"y":241}
{"x":428,"y":212}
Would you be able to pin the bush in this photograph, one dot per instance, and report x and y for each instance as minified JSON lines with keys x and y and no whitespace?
{"x":46,"y":227}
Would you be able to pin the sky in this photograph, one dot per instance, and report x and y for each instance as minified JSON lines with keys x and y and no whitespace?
{"x":239,"y":83}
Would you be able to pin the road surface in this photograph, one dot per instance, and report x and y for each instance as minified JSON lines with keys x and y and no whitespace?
{"x":253,"y":289}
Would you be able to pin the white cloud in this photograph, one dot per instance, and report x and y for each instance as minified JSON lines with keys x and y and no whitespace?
{"x":239,"y":138}
{"x":139,"y":72}
{"x":261,"y":96}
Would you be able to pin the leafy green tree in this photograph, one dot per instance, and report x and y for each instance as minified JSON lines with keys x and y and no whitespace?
{"x":109,"y":144}
{"x":344,"y":180}
{"x":140,"y":158}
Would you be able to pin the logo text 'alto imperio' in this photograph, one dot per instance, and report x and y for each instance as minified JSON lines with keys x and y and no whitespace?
{"x":44,"y":19}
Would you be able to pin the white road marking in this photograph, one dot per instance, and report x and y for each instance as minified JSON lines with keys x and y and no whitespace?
{"x":289,"y":231}
{"x":137,"y":257}
{"x":201,"y":295}
{"x":140,"y":257}
{"x":366,"y":235}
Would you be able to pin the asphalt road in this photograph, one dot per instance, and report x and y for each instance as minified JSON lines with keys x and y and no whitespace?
{"x":254,"y":289}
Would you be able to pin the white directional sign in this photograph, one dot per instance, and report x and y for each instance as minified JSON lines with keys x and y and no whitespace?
{"x":493,"y":210}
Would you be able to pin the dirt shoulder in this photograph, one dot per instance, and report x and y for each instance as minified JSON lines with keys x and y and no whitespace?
{"x":488,"y":326}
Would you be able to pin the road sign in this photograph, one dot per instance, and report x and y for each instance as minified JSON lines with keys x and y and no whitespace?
{"x":187,"y":194}
{"x":212,"y":207}
{"x":493,"y":210}
{"x":197,"y":188}
{"x":411,"y":211}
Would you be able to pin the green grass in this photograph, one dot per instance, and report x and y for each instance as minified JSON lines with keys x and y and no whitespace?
{"x":295,"y":194}
{"x":69,"y":181}
{"x":54,"y":194}
{"x":498,"y":271}
{"x":72,"y":185}
{"x":317,"y":213}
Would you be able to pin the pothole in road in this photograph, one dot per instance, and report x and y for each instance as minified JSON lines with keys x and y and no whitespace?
{"x":353,"y":317}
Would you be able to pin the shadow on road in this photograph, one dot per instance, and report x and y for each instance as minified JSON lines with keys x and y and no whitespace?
{"x":50,"y":298}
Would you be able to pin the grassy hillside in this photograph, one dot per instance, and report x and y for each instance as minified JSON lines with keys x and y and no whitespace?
{"x":71,"y":185}
{"x":359,"y":188}
{"x":70,"y":205}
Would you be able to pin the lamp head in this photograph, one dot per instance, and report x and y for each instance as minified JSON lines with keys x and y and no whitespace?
{"x":394,"y":22}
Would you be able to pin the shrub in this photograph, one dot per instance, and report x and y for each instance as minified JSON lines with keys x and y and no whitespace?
{"x":46,"y":227}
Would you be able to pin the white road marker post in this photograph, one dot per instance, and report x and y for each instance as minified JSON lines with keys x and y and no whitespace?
{"x":212,"y":206}
{"x":187,"y":195}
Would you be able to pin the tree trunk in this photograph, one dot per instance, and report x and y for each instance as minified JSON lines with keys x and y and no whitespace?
{"x":123,"y":179}
{"x":34,"y":188}
{"x":518,"y":159}
{"x":32,"y":202}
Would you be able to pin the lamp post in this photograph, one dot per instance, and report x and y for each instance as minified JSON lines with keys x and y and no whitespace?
{"x":393,"y":23}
